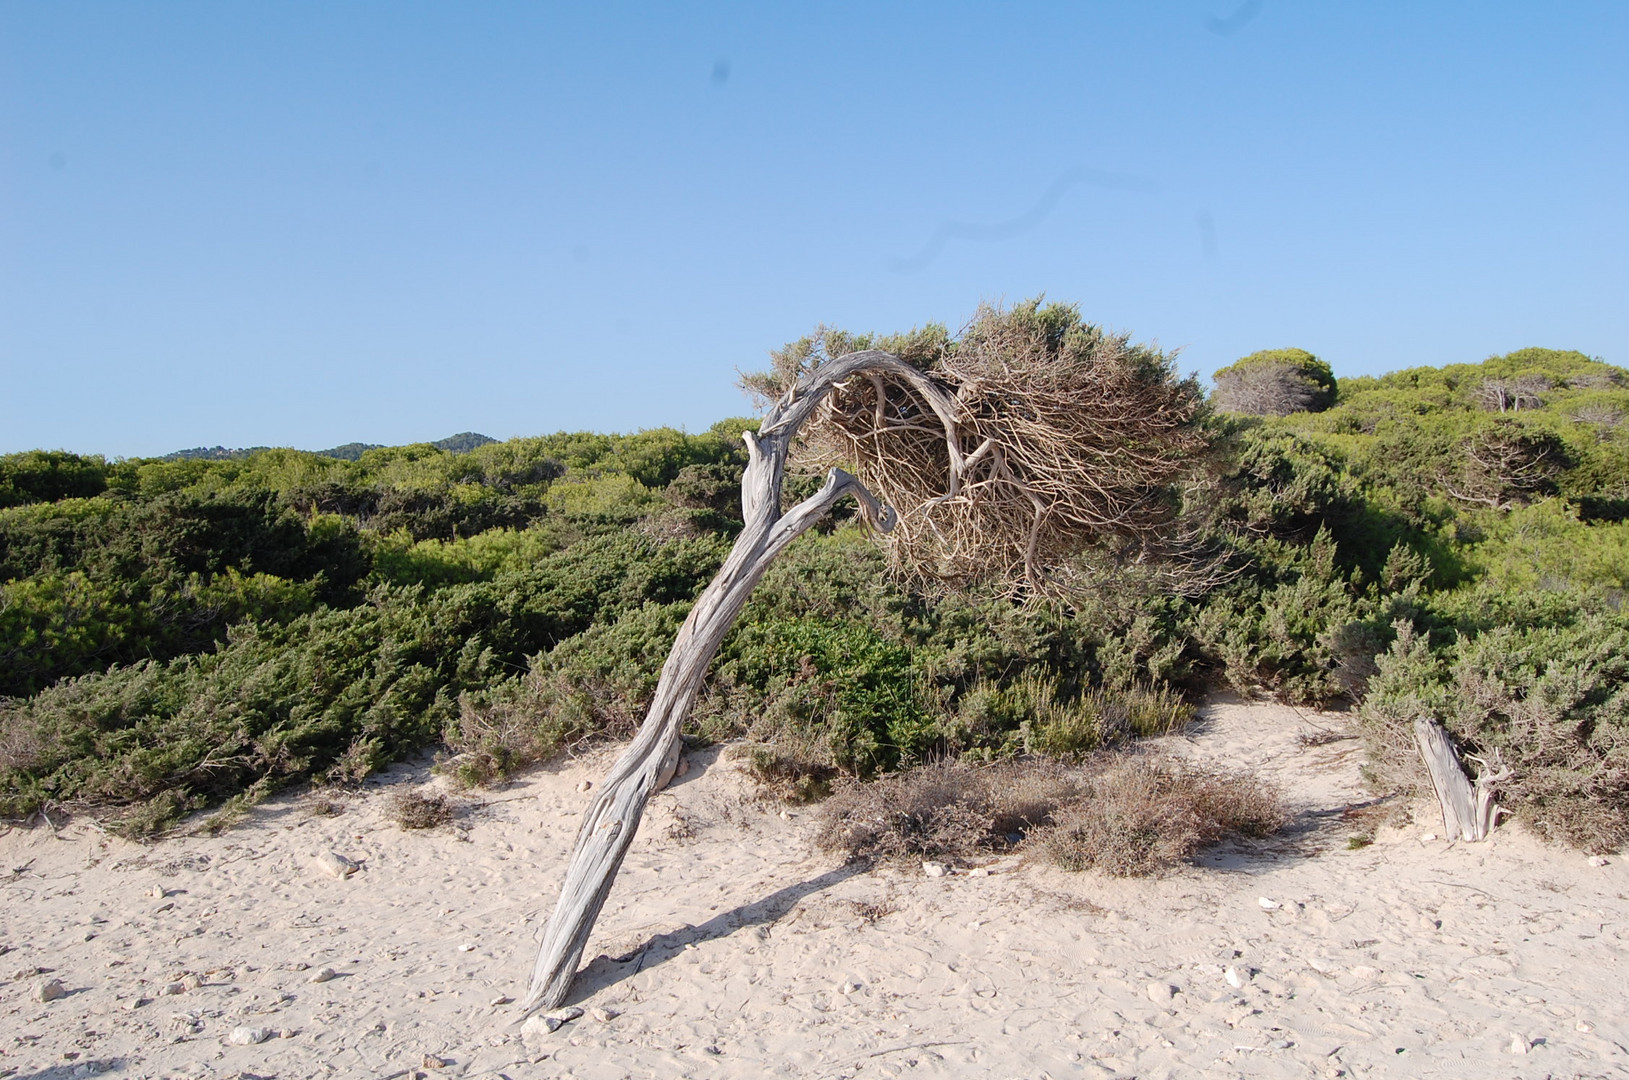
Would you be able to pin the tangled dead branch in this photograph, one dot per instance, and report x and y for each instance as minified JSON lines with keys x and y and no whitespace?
{"x":1057,"y":440}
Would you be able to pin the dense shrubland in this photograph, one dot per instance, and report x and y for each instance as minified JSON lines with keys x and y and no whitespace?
{"x":191,"y":633}
{"x":1470,"y":566}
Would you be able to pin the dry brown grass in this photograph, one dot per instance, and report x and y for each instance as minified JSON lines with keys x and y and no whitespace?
{"x":1124,"y":814}
{"x":944,"y":810}
{"x":416,"y":810}
{"x":1141,"y":816}
{"x":325,"y":804}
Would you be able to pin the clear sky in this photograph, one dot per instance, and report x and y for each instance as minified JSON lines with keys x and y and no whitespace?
{"x":303,"y":224}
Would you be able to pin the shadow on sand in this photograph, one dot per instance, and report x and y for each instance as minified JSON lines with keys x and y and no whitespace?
{"x":606,"y":971}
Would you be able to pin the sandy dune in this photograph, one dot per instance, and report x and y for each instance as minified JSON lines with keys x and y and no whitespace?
{"x":730,"y":948}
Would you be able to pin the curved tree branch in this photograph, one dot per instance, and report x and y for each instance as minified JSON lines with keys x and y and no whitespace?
{"x":613,"y":817}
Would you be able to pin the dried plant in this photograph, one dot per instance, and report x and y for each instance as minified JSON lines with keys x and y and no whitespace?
{"x":1013,"y":449}
{"x":997,"y":457}
{"x":1505,"y":465}
{"x":416,"y":810}
{"x":1141,"y":816}
{"x":948,"y":809}
{"x":1602,"y":416}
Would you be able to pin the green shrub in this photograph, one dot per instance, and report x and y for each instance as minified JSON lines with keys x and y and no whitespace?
{"x":1542,"y":690}
{"x":48,"y":476}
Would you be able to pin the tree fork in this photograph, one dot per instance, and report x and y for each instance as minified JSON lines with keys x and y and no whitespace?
{"x":612,"y":819}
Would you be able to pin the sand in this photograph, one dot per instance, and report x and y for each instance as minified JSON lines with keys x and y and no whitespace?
{"x":731,"y":948}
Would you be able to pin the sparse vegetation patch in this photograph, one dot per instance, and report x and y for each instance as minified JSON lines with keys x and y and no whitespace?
{"x":413,"y":809}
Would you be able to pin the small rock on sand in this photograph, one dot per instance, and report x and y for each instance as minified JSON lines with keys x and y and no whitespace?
{"x":191,"y":982}
{"x":1599,"y":860}
{"x":336,"y":865}
{"x":604,"y":1016}
{"x":158,"y":892}
{"x":1160,"y":992}
{"x":321,"y":975}
{"x":1518,"y":1044}
{"x":1268,"y":904}
{"x":546,"y":1023}
{"x":586,"y":785}
{"x":431,"y":1061}
{"x":174,"y":988}
{"x":933,"y":869}
{"x":50,"y":990}
{"x":248,"y":1036}
{"x":1236,"y":977}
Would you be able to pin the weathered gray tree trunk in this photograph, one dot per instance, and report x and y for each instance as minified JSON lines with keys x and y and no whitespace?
{"x":1468,"y":811}
{"x":613,"y":817}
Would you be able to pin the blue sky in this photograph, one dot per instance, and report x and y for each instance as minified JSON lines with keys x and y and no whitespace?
{"x":305,"y":224}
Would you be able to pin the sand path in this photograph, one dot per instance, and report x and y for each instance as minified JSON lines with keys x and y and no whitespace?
{"x":731,"y":949}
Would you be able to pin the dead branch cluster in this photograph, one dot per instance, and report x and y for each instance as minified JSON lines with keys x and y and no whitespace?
{"x":1050,"y":443}
{"x":1505,"y":466}
{"x":1512,"y":395}
{"x":1271,"y":389}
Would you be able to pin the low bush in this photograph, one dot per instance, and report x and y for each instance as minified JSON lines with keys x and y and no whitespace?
{"x":1140,"y":816}
{"x":416,"y":810}
{"x":1123,"y":814}
{"x":1544,"y":691}
{"x":789,"y":776}
{"x":944,"y":810}
{"x":184,"y":634}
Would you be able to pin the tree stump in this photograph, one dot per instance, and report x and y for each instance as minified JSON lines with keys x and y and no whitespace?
{"x":1468,"y":811}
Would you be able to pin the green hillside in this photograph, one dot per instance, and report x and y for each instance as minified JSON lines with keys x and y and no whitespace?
{"x":193,"y":632}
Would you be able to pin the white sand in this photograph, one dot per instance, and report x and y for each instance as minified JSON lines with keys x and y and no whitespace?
{"x":744,"y":953}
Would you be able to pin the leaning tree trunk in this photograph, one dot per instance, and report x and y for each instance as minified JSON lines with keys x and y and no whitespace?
{"x":613,"y":817}
{"x":1468,"y":811}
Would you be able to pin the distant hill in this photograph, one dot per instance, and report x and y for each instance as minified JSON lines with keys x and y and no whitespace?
{"x":212,"y":453}
{"x":464,"y":442}
{"x":350,"y":451}
{"x":461,"y":443}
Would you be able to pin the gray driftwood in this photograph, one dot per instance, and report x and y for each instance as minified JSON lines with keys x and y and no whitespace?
{"x":613,"y":817}
{"x":1468,"y":811}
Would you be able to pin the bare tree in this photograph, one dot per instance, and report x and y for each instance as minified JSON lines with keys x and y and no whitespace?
{"x":1275,"y":382}
{"x":1506,"y":465}
{"x":1512,"y":395}
{"x":1010,"y":450}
